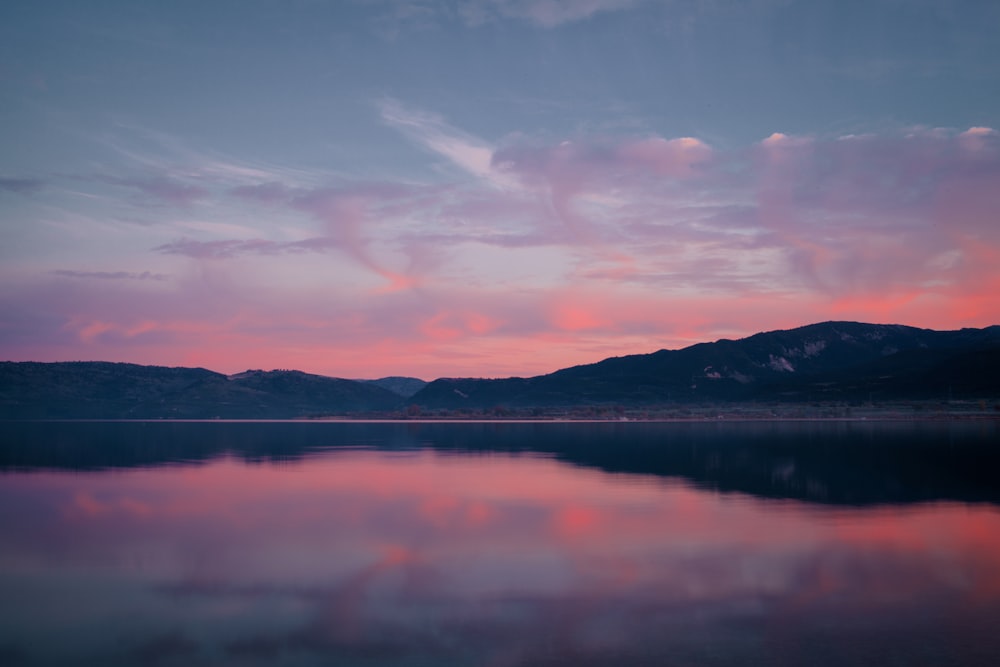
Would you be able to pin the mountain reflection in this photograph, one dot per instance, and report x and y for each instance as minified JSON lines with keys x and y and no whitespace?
{"x":854,"y":463}
{"x":410,"y":554}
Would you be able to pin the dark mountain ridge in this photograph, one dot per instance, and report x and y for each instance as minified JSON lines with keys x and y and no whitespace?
{"x":826,"y":362}
{"x":830,"y":361}
{"x":104,"y":390}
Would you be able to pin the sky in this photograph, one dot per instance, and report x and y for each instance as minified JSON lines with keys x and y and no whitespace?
{"x":487,"y":188}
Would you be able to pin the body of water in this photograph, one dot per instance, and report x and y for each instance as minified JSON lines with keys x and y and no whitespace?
{"x":499,"y":544}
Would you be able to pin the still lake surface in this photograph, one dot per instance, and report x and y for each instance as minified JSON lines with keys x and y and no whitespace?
{"x":500,"y":544}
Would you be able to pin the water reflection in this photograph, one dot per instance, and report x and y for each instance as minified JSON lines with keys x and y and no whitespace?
{"x":396,"y":553}
{"x":854,"y":463}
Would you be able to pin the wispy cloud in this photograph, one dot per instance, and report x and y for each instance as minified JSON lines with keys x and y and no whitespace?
{"x":160,"y":187}
{"x":432,"y":132}
{"x":824,"y":213}
{"x":230,"y":248}
{"x":110,"y":275}
{"x":828,"y":213}
{"x":393,"y":16}
{"x":169,"y":156}
{"x":616,"y":244}
{"x":544,"y":13}
{"x":346,"y":214}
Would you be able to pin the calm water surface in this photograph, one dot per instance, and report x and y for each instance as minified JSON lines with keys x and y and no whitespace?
{"x":499,"y":544}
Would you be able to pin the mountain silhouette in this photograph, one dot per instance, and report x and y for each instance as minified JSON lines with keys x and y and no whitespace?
{"x":826,"y":362}
{"x":830,"y":361}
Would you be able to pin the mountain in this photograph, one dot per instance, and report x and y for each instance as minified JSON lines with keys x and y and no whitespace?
{"x":81,"y":390}
{"x":401,"y":386}
{"x":830,"y":361}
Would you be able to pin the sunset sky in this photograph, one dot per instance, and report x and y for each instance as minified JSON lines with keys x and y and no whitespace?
{"x":361,"y":188}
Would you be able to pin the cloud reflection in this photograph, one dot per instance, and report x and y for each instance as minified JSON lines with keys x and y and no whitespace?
{"x":396,"y":558}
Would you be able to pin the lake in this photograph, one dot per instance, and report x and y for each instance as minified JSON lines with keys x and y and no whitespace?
{"x":500,"y":544}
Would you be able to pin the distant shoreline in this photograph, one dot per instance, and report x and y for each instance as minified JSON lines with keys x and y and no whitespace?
{"x":734,"y":419}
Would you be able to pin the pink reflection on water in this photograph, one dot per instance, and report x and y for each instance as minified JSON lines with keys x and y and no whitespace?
{"x":501,"y":550}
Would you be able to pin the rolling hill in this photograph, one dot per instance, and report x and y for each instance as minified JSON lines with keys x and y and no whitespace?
{"x":81,"y":390}
{"x":829,"y":361}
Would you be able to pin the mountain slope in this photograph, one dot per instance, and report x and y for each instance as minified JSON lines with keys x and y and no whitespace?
{"x":402,"y":386}
{"x":80,"y":390}
{"x":826,"y":361}
{"x":830,"y":361}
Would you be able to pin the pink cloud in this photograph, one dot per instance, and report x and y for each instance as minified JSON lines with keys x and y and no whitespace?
{"x":586,"y":183}
{"x":605,"y":162}
{"x":570,"y":317}
{"x":828,"y":213}
{"x":841,"y":208}
{"x":978,"y":138}
{"x":554,"y":253}
{"x":673,"y":157}
{"x":347,"y":214}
